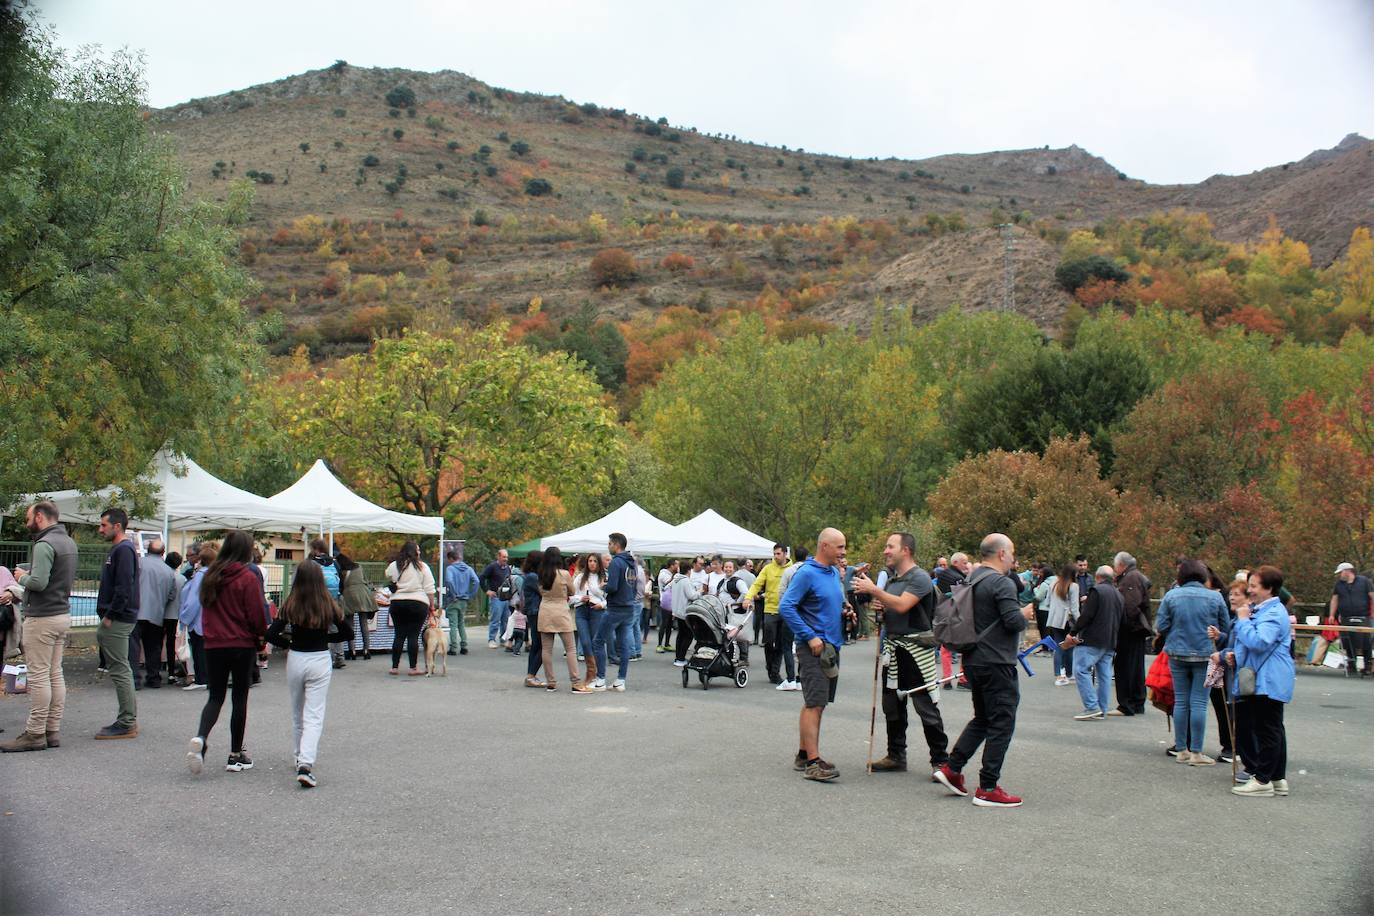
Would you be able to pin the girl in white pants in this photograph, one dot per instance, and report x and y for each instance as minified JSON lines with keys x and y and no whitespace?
{"x":309,"y":621}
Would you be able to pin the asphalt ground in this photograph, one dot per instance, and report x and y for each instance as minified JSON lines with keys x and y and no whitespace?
{"x":474,"y":794}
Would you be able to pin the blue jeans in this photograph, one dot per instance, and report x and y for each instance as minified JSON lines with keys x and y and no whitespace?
{"x":588,"y":622}
{"x":637,"y":633}
{"x":1063,"y":658}
{"x":1087,"y":661}
{"x":618,"y":624}
{"x":500,"y":614}
{"x":1190,"y":704}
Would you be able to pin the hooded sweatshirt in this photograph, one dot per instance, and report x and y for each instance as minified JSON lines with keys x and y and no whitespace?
{"x":235,"y":620}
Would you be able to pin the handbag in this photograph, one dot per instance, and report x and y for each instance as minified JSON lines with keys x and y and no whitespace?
{"x":1246,"y":677}
{"x":1331,"y":635}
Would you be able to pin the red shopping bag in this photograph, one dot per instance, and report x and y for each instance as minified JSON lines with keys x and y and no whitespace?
{"x":1160,"y":680}
{"x":1331,"y":635}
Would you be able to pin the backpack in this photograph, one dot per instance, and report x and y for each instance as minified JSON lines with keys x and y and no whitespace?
{"x":508,"y":589}
{"x":331,"y":579}
{"x":665,"y":595}
{"x":953,"y":623}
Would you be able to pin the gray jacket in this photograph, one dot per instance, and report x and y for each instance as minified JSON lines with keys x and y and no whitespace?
{"x":159,"y":590}
{"x":48,"y":585}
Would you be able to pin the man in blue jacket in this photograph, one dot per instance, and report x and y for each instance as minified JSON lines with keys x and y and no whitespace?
{"x":813,"y":608}
{"x":622,"y":585}
{"x":460,"y":585}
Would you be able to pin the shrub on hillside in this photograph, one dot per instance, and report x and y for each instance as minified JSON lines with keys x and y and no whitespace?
{"x":677,"y":261}
{"x":614,"y":267}
{"x":520,"y":147}
{"x":401,"y":97}
{"x":371,"y":161}
{"x":1073,"y":274}
{"x":674,"y":177}
{"x":538,"y":187}
{"x":340,"y":113}
{"x":398,"y":133}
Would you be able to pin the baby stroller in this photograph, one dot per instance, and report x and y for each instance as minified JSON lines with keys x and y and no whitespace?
{"x":718,"y":642}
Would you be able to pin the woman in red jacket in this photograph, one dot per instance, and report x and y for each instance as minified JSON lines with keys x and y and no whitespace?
{"x":235,"y":627}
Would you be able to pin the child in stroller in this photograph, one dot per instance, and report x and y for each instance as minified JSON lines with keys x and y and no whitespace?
{"x":720,"y":641}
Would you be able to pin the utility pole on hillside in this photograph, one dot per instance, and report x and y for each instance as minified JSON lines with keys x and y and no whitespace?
{"x":1008,"y":268}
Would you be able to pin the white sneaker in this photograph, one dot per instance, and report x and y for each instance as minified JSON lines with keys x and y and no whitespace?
{"x":1280,"y":786}
{"x":1201,"y":760}
{"x":1185,"y":757}
{"x":194,"y":687}
{"x":1061,"y":682}
{"x":618,"y":686}
{"x":1253,"y":788}
{"x":680,"y":663}
{"x":794,"y":685}
{"x":491,"y":644}
{"x":783,"y":685}
{"x":195,"y":755}
{"x":599,"y":684}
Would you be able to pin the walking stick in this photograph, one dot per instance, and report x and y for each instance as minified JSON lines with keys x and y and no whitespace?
{"x":873,"y":711}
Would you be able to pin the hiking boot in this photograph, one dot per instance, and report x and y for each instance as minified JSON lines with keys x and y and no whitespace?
{"x":1184,"y":757}
{"x":1253,"y":788}
{"x":28,"y":741}
{"x":1280,"y":786}
{"x":54,"y":739}
{"x":820,"y":771}
{"x":1201,"y":760}
{"x":799,"y":761}
{"x":951,"y":780}
{"x":889,"y":764}
{"x":1090,"y":715}
{"x":117,"y":731}
{"x":996,"y":797}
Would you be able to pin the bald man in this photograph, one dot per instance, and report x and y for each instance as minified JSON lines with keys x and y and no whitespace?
{"x":813,"y":606}
{"x":998,"y":619}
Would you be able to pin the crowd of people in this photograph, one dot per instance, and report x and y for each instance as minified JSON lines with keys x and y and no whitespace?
{"x":203,"y":623}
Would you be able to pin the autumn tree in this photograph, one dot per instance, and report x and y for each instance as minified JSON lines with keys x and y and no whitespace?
{"x":451,"y":422}
{"x":614,"y":267}
{"x":1055,"y":506}
{"x":120,"y":298}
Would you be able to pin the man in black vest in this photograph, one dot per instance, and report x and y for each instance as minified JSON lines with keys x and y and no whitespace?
{"x":47,"y":618}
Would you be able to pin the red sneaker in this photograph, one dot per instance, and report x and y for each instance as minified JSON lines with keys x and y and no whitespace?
{"x":995,"y":798}
{"x":951,"y":780}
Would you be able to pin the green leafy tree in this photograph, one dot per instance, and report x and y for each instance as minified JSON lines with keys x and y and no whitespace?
{"x":1073,"y":274}
{"x":674,"y":177}
{"x":401,"y":97}
{"x":1025,"y":404}
{"x":120,"y":300}
{"x":451,"y":422}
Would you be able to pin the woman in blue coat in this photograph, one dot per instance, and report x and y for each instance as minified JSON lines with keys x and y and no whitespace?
{"x":1187,"y":617}
{"x":1261,"y":640}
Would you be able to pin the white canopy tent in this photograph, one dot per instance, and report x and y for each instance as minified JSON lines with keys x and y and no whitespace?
{"x":188,"y":498}
{"x":334,"y":507}
{"x":710,"y":532}
{"x":648,"y":534}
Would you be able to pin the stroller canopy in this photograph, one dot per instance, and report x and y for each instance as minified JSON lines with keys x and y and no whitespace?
{"x":711,"y":611}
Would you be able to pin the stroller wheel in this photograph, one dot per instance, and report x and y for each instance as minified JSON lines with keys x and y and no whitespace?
{"x":741,"y":676}
{"x":686,"y":674}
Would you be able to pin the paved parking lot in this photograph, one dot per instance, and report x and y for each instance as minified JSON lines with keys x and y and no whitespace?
{"x":474,"y":794}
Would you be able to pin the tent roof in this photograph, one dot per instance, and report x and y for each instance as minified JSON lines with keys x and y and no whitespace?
{"x":525,"y":549}
{"x":332,"y":506}
{"x":711,"y":532}
{"x":648,"y":534}
{"x":191,"y":498}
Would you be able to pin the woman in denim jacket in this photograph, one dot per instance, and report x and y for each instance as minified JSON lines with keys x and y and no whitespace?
{"x":1187,"y":616}
{"x":1260,"y":640}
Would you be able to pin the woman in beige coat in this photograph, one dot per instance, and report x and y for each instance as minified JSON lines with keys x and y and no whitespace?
{"x":556,"y":618}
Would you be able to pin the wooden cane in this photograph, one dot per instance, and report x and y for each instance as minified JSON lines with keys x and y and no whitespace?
{"x":873,"y":711}
{"x":1231,"y":727}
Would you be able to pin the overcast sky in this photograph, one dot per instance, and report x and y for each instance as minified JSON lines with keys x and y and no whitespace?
{"x":1167,"y":91}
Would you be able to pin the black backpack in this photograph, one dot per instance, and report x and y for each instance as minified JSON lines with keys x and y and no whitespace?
{"x":508,"y":589}
{"x":953,"y":623}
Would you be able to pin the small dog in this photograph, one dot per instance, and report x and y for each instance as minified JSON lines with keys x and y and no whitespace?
{"x":436,"y":643}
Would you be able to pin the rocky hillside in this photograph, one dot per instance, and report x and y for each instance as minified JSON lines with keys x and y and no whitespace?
{"x":423,"y":161}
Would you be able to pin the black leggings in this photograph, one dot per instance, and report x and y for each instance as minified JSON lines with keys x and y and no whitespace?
{"x":684,"y":639}
{"x":221,"y":664}
{"x":407,"y":617}
{"x":665,"y":627}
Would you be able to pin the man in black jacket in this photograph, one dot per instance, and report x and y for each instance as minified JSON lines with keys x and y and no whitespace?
{"x":1095,"y":634}
{"x":1136,"y":631}
{"x":999,"y":619}
{"x":117,"y":604}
